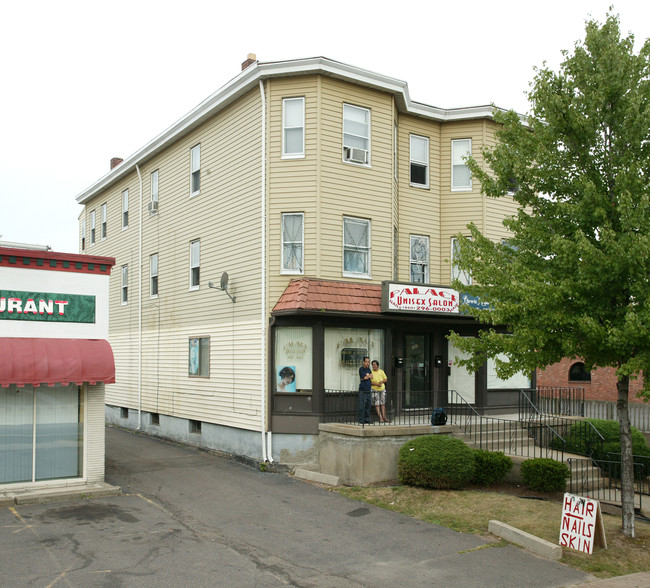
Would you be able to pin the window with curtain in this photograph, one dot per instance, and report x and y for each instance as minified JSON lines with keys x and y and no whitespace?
{"x":356,"y":134}
{"x":460,"y":175}
{"x":356,"y":247}
{"x":344,"y":350}
{"x":294,"y":350}
{"x":293,"y":127}
{"x":419,"y":259}
{"x":292,"y":242}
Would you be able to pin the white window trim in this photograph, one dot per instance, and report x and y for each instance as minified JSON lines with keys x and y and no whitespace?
{"x":103,"y":231}
{"x":453,"y":266}
{"x":348,"y":274}
{"x":125,"y":195}
{"x":197,"y":286}
{"x":424,"y":163}
{"x":369,"y":137}
{"x":467,"y":188}
{"x":152,"y":275}
{"x":428,"y":261}
{"x":154,"y":195}
{"x":395,"y":155}
{"x":124,"y":285}
{"x":83,"y":233}
{"x":93,"y":227}
{"x":193,"y":171}
{"x":297,"y":155}
{"x":302,"y":237}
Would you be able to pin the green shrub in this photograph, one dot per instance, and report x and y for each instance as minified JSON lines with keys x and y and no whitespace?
{"x":490,"y":467}
{"x":545,"y":475}
{"x":436,"y":461}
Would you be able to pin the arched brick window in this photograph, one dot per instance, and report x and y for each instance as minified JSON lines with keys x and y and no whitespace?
{"x":578,"y":373}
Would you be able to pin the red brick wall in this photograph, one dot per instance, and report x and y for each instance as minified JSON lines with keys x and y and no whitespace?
{"x":601,"y":387}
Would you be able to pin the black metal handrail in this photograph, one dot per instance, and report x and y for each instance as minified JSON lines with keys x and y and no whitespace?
{"x":566,"y":401}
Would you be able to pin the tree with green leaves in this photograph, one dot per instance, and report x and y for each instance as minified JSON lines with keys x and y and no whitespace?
{"x":573,"y":279}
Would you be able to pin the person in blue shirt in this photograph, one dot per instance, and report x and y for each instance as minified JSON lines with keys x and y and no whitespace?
{"x":365,"y":383}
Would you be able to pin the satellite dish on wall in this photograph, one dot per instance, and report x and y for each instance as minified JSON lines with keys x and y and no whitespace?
{"x":224,"y":281}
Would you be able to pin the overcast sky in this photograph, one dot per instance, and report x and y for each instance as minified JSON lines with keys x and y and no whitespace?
{"x":84,"y":81}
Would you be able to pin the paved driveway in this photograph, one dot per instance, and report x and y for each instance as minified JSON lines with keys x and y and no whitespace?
{"x":189,"y":518}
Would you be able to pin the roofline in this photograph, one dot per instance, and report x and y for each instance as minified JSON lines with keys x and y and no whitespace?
{"x":250,"y":77}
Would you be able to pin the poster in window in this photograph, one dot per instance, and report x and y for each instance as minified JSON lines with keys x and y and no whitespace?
{"x":286,"y":378}
{"x":194,"y":357}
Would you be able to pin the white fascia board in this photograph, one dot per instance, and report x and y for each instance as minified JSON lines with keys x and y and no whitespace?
{"x":249,"y":78}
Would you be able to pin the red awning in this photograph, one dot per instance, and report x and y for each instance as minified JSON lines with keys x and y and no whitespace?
{"x":55,"y":361}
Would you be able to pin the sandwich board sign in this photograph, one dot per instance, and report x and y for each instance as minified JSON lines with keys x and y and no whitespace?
{"x":582,"y":524}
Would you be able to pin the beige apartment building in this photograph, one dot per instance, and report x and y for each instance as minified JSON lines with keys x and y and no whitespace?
{"x":301,"y":217}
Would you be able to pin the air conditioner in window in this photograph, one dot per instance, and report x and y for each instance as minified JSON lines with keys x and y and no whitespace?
{"x":153,"y":206}
{"x":355,"y":155}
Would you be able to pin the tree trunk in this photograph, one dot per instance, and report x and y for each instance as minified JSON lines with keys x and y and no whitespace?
{"x":627,"y":464}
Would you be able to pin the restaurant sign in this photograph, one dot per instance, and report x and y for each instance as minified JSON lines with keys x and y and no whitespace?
{"x":418,"y":298}
{"x":46,"y":306}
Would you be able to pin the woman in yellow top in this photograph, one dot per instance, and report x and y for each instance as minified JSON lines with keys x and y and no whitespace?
{"x":379,"y":391}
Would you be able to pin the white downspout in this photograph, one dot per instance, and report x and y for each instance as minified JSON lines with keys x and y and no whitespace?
{"x":140,"y":305}
{"x":263,"y":362}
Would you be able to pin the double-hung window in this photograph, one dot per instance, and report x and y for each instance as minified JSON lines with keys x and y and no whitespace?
{"x":356,"y":247}
{"x":419,"y":161}
{"x":195,"y":264}
{"x":92,"y":227}
{"x":293,"y":242}
{"x":293,"y":128}
{"x":456,"y":272}
{"x":461,"y":179}
{"x":195,"y":170}
{"x":356,"y":134}
{"x":124,"y":291}
{"x":154,"y":192}
{"x":125,"y":209}
{"x":83,"y":234}
{"x":419,"y":259}
{"x":103,"y":221}
{"x":153,"y":273}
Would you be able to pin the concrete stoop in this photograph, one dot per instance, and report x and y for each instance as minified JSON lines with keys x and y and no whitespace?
{"x":57,"y":494}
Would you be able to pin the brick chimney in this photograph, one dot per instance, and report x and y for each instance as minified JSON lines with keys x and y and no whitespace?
{"x":252,"y":58}
{"x":115,"y":161}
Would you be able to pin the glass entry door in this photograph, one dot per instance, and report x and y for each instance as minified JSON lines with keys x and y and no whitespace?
{"x":416,"y":370}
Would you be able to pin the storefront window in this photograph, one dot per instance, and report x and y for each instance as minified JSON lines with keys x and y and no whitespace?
{"x":293,"y":359}
{"x":344,"y":352}
{"x":519,"y":380}
{"x":47,"y":447}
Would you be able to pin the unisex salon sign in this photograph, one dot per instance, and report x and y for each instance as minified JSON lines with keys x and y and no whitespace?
{"x":46,"y":306}
{"x":419,"y":298}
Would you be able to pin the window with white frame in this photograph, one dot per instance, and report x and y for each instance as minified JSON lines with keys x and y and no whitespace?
{"x":103,"y":221}
{"x":293,"y":242}
{"x":199,"y":357}
{"x":419,"y":161}
{"x":83,"y":233}
{"x":154,"y":186}
{"x":293,"y":127}
{"x":195,"y":170}
{"x":125,"y":209}
{"x":124,"y":291}
{"x":395,"y":160}
{"x":461,"y":178}
{"x":356,"y":134}
{"x":153,"y":275}
{"x":356,"y":247}
{"x":195,"y":264}
{"x":419,"y":259}
{"x":456,"y":272}
{"x":92,"y":227}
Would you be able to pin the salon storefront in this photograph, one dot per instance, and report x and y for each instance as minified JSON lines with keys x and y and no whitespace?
{"x":323,"y":329}
{"x":55,"y":361}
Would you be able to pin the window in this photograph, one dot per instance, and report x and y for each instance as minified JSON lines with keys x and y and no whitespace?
{"x":293,"y":350}
{"x":125,"y":284}
{"x":395,"y":159}
{"x":578,"y":373}
{"x":292,"y":243}
{"x":199,"y":357}
{"x":195,"y":170}
{"x":92,"y":227}
{"x":125,"y":209}
{"x":195,"y":264}
{"x":154,"y":186}
{"x":419,"y":259}
{"x":83,"y":234}
{"x":460,"y":176}
{"x":518,"y":380}
{"x":293,"y":127}
{"x":103,"y":221}
{"x":456,"y":273}
{"x":356,"y":134}
{"x":344,"y":349}
{"x":153,"y":272}
{"x":356,"y":247}
{"x":419,"y":161}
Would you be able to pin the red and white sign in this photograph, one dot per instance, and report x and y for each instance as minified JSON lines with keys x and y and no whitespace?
{"x":422,"y":298}
{"x":582,"y":524}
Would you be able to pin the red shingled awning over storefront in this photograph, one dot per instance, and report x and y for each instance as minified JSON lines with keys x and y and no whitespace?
{"x":55,"y":361}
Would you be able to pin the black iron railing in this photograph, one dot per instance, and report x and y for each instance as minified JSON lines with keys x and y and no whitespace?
{"x":565,"y":401}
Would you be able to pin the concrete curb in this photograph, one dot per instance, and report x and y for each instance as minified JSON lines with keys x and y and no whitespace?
{"x":533,"y":544}
{"x":47,"y":495}
{"x":317,"y":477}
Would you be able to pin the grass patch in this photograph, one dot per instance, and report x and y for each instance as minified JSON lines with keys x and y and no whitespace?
{"x":469,"y":511}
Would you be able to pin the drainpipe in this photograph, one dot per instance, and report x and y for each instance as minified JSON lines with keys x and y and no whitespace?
{"x":140,"y":305}
{"x":263,"y":362}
